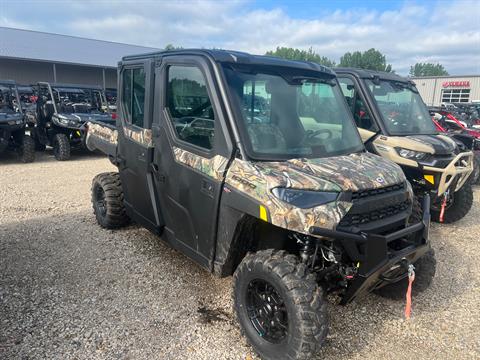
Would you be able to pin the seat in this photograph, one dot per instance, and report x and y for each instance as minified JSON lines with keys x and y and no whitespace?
{"x":266,"y":138}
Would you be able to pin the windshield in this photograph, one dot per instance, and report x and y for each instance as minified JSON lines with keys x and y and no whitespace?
{"x":77,"y":100}
{"x":8,"y":99}
{"x":292,"y":115}
{"x":402,"y":108}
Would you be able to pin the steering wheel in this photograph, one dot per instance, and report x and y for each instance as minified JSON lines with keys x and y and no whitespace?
{"x":313,"y":133}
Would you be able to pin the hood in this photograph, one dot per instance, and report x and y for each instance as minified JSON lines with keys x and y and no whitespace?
{"x":439,"y":144}
{"x":11,"y":116}
{"x":354,"y":172}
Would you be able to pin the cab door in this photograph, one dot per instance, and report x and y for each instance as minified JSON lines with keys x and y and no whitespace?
{"x":191,"y":154}
{"x":135,"y":148}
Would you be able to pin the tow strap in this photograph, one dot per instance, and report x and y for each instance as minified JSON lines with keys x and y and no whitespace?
{"x":411,"y":278}
{"x":442,"y":209}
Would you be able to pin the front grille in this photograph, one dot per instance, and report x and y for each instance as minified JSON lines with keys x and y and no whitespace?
{"x":358,"y":195}
{"x":375,"y":215}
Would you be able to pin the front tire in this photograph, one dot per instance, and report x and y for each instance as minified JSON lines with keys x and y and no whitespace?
{"x":107,"y":201}
{"x":61,"y":147}
{"x":279,"y":306}
{"x":27,"y":149}
{"x":462,"y":203}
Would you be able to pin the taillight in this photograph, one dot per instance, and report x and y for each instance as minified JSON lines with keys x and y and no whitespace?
{"x":114,"y":116}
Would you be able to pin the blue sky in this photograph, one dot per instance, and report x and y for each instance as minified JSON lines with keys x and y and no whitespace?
{"x":406,"y":31}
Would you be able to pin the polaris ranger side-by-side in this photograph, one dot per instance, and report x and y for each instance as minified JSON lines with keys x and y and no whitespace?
{"x":12,"y":123}
{"x":395,"y":123}
{"x":61,"y":112}
{"x":253,"y":167}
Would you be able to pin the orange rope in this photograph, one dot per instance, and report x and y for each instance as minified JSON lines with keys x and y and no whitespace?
{"x":408,"y":305}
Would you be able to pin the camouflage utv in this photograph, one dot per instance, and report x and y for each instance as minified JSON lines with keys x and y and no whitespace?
{"x":395,"y":123}
{"x":253,"y":166}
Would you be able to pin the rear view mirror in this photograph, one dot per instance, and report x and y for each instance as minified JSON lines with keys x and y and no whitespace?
{"x":379,"y":91}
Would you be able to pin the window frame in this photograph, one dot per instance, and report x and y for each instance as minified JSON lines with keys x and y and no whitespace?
{"x":146,"y":103}
{"x":212,"y":94}
{"x":462,"y":95}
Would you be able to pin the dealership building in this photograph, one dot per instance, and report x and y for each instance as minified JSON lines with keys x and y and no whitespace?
{"x":436,"y":90}
{"x":31,"y":56}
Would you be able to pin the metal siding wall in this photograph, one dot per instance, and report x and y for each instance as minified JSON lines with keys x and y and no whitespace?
{"x":24,"y":71}
{"x":432,"y":94}
{"x":73,"y":74}
{"x":111,"y":78}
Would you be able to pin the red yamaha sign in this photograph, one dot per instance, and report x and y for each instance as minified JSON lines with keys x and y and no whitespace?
{"x":456,"y":84}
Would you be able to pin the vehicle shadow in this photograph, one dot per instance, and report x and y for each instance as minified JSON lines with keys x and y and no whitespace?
{"x":101,"y":278}
{"x":11,"y":157}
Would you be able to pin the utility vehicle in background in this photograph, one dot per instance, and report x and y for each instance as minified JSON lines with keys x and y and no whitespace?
{"x":12,"y":123}
{"x":394,"y":122}
{"x":253,"y":167}
{"x":60,"y":115}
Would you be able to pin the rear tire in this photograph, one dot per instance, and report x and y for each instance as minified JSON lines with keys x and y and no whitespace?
{"x":293,"y":302}
{"x":462,"y":203}
{"x":61,"y":147}
{"x":27,"y":150}
{"x":475,"y":177}
{"x":107,"y":201}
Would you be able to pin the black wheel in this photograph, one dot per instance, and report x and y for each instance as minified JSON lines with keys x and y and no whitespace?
{"x":425,"y":269}
{"x":27,"y":149}
{"x":107,"y":201}
{"x":458,"y":206}
{"x":475,"y":176}
{"x":61,"y":147}
{"x":279,"y":306}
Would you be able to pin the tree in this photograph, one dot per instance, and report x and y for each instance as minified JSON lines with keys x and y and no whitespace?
{"x":427,"y":69}
{"x":371,"y":60}
{"x":299,"y":54}
{"x":171,"y":47}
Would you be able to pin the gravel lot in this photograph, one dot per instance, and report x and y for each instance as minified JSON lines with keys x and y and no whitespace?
{"x":71,"y":290}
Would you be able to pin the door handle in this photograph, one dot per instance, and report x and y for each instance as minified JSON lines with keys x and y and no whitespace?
{"x":208,"y":188}
{"x":156,"y":173}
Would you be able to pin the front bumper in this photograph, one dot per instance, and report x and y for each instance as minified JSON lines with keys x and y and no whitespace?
{"x":456,"y":172}
{"x":376,"y":257}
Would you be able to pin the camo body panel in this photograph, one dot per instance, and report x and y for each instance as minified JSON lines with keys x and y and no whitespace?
{"x":354,"y":172}
{"x":103,"y":132}
{"x":214,"y":167}
{"x":141,"y":136}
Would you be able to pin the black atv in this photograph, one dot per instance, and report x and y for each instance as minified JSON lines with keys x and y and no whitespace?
{"x":60,"y":115}
{"x":12,"y":123}
{"x":253,"y":167}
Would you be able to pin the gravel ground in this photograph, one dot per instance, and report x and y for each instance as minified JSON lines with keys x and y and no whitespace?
{"x":71,"y":290}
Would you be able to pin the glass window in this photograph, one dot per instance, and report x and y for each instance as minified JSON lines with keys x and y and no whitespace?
{"x":133,"y":97}
{"x":402,"y":108}
{"x":290,"y":114}
{"x":189,"y":106}
{"x":361,"y":115}
{"x":455,"y":95}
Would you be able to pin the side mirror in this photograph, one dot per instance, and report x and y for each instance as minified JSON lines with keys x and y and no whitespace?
{"x":366,"y":135}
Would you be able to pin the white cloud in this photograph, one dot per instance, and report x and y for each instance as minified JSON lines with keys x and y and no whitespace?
{"x":445,"y":32}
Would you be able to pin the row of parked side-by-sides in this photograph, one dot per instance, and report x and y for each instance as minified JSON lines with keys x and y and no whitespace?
{"x":298,"y":180}
{"x":36,"y":116}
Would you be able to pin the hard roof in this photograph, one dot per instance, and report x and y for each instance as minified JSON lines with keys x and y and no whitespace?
{"x":36,"y":45}
{"x":370,"y":74}
{"x":237,"y":57}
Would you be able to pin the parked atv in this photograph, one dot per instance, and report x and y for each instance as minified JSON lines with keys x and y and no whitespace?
{"x":278,"y":191}
{"x":394,"y":123}
{"x":12,"y":123}
{"x":61,"y":113}
{"x":468,"y":137}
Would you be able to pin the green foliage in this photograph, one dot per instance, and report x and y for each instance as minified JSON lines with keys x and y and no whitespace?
{"x":427,"y":69}
{"x":170,"y":47}
{"x":299,"y":54}
{"x":371,"y":60}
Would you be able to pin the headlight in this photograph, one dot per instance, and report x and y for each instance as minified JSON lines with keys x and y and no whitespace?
{"x":411,"y":154}
{"x":304,"y":199}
